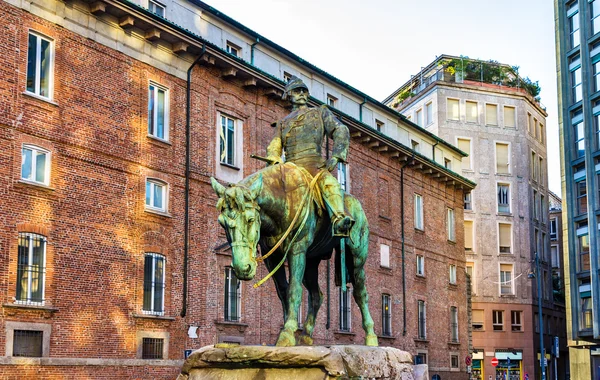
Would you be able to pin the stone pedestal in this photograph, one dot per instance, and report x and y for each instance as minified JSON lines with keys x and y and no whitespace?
{"x":225,"y":361}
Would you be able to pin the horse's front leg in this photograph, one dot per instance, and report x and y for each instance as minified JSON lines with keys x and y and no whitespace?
{"x":315,"y":299}
{"x":297,"y":264}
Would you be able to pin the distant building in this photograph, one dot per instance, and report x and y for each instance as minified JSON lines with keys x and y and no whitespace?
{"x":96,"y":279}
{"x":491,"y":113}
{"x":578,"y":69}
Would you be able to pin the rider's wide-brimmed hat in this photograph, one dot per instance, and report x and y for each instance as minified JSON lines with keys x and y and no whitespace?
{"x":294,"y":83}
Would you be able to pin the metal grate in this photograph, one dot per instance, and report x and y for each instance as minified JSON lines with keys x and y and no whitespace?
{"x":30,"y":268}
{"x":28,"y":343}
{"x":152,"y":348}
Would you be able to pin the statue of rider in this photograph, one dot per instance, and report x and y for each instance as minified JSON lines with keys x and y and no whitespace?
{"x":300,"y":136}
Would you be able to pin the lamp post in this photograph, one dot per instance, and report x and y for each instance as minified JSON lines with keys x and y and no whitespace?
{"x":541,"y":320}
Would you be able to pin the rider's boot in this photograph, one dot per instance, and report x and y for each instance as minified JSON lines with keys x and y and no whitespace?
{"x":341,"y":223}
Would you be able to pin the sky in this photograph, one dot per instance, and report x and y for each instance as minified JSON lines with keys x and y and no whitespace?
{"x":376,"y":45}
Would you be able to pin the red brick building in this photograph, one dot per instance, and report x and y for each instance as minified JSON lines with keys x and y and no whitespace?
{"x":93,"y":178}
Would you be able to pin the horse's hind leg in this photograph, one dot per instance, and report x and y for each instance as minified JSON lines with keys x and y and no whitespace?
{"x":315,"y":299}
{"x":281,"y":284}
{"x":297,"y":264}
{"x":361,"y":297}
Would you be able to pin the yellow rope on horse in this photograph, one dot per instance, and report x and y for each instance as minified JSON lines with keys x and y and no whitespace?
{"x":308,"y":195}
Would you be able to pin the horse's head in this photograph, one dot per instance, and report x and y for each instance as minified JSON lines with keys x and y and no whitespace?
{"x":240,"y":217}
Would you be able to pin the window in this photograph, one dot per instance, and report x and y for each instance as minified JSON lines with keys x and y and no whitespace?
{"x":418,"y":212}
{"x":573,"y":21}
{"x":583,"y":247}
{"x":506,"y":287}
{"x":345,"y":314}
{"x":452,"y":109}
{"x":152,"y":348}
{"x":233,"y":49}
{"x":470,"y":270}
{"x":419,"y":117}
{"x":453,"y":324}
{"x":421,"y":358}
{"x":542,"y":134}
{"x":535,"y":205}
{"x":503,"y":193}
{"x":578,"y":133}
{"x":154,"y":284}
{"x":31,"y":268}
{"x":585,"y":295}
{"x":454,"y":362}
{"x":505,"y":240}
{"x":575,"y":70}
{"x":515,"y":320}
{"x":386,"y":315}
{"x":414,"y":145}
{"x":384,"y":251}
{"x":545,"y":287}
{"x":541,"y":170}
{"x":553,"y":229}
{"x":555,"y":256}
{"x":156,"y":195}
{"x":158,"y":112}
{"x":420,"y":265}
{"x":491,"y":114}
{"x":28,"y":343}
{"x":465,"y":146}
{"x":286,"y":76}
{"x":498,"y":320}
{"x":35,"y":165}
{"x":40,"y":59}
{"x":452,"y":274}
{"x":533,"y":166}
{"x":468,"y":235}
{"x":422,"y":320}
{"x":428,"y":113}
{"x":509,"y":117}
{"x":472,"y":114}
{"x":595,"y":12}
{"x":157,"y":8}
{"x":450,"y":224}
{"x":596,"y":111}
{"x":468,"y":201}
{"x":581,"y":194}
{"x":502,"y":159}
{"x":477,"y":318}
{"x":528,"y":123}
{"x":233,"y":296}
{"x":342,"y":175}
{"x":331,"y":100}
{"x":227,"y":140}
{"x":380,"y":125}
{"x":448,"y":163}
{"x":596,"y":73}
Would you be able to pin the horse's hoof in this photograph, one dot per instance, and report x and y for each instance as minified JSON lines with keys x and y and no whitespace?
{"x":371,"y":340}
{"x":286,"y":340}
{"x":305,"y":340}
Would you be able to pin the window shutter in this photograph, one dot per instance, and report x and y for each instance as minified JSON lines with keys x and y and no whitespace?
{"x":505,"y":235}
{"x":502,"y":158}
{"x":491,"y":114}
{"x":509,"y":117}
{"x":471,"y":109}
{"x":468,"y":235}
{"x":453,"y":109}
{"x":465,"y":146}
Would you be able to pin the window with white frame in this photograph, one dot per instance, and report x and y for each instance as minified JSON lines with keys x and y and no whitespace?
{"x":491,"y":114}
{"x":31,"y":268}
{"x":502,"y":158}
{"x":331,"y":100}
{"x":414,"y":145}
{"x":421,"y":320}
{"x":420,"y":265}
{"x":386,"y":315}
{"x":573,"y":21}
{"x":450,"y":224}
{"x":227,"y":143}
{"x":156,"y":195}
{"x":515,"y":320}
{"x":380,"y":125}
{"x":468,"y":201}
{"x":506,"y":282}
{"x":418,"y":212}
{"x":40,"y":60}
{"x":384,"y":251}
{"x":342,"y":175}
{"x":575,"y":78}
{"x":470,"y":270}
{"x":505,"y":237}
{"x":509,"y":117}
{"x":448,"y":163}
{"x":469,"y":235}
{"x":156,"y":7}
{"x":465,"y":146}
{"x":419,"y":117}
{"x":472,"y":114}
{"x":154,"y":284}
{"x":345,"y":312}
{"x":35,"y":164}
{"x":498,"y":320}
{"x":452,"y":109}
{"x":452,"y":272}
{"x":453,"y":324}
{"x":477,"y":320}
{"x":503,"y":195}
{"x":578,"y":132}
{"x":233,"y":296}
{"x":233,"y":49}
{"x":428,"y":113}
{"x":158,"y":112}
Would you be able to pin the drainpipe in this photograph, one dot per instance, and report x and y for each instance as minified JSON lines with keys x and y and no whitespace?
{"x":412,"y":160}
{"x":252,"y":51}
{"x":360,"y":109}
{"x":186,"y":225}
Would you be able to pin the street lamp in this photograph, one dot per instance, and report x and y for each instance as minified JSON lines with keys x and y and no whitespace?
{"x":541,"y":321}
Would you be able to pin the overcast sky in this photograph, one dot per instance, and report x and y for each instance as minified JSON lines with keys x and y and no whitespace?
{"x":376,"y":45}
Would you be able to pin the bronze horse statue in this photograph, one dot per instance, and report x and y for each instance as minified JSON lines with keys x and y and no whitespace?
{"x":274,"y":207}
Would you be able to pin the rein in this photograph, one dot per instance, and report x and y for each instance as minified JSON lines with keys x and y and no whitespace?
{"x":308,"y":195}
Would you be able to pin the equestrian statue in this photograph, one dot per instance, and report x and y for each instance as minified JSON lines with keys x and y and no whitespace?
{"x":296,"y":211}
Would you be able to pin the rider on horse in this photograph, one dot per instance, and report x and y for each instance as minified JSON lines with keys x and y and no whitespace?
{"x":300,"y":136}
